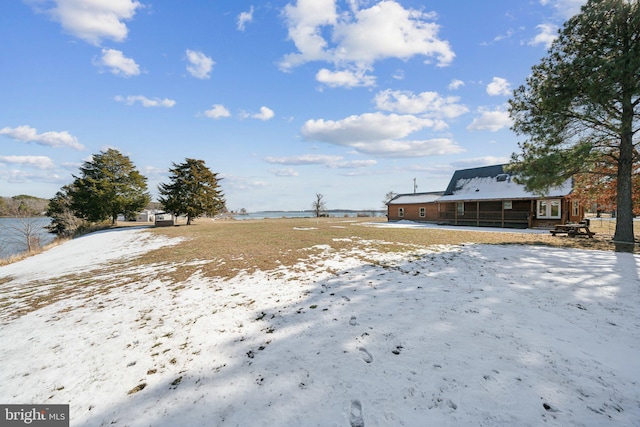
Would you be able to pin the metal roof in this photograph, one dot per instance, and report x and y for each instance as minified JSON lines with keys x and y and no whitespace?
{"x":493,"y":183}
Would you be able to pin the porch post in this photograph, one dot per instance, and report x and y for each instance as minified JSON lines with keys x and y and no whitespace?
{"x":455,"y":213}
{"x":477,"y":214}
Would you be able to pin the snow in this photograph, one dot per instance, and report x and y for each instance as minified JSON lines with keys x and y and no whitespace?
{"x":489,"y":188}
{"x":445,"y":335}
{"x":415,"y":198}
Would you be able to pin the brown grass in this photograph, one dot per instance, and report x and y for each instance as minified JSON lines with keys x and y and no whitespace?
{"x":226,"y":248}
{"x":232,"y":246}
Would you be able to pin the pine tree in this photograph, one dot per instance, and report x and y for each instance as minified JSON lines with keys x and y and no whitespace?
{"x":580,"y":105}
{"x":194,"y":191}
{"x":63,"y":221}
{"x":108,"y":185}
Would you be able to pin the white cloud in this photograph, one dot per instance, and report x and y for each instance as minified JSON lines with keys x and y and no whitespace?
{"x":387,"y":30}
{"x":379,"y":134}
{"x":245,"y":18}
{"x":200,"y":65}
{"x":284,"y":172}
{"x":565,"y":8}
{"x":154,"y":172}
{"x":304,"y":160}
{"x":117,"y":63}
{"x":501,"y":37}
{"x":217,"y":111}
{"x":51,"y":139}
{"x":146,"y":102}
{"x":345,"y":78}
{"x":39,"y":162}
{"x":480,"y":161}
{"x":356,"y":164}
{"x":264,"y":114}
{"x":305,"y":21}
{"x":334,"y":162}
{"x":499,"y":86}
{"x":548,"y":33}
{"x":429,"y":104}
{"x":91,"y":21}
{"x":455,"y":84}
{"x":398,"y":74}
{"x":356,"y":39}
{"x":492,"y":121}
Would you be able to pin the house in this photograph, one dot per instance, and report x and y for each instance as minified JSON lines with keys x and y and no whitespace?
{"x":414,"y":207}
{"x":488,"y":196}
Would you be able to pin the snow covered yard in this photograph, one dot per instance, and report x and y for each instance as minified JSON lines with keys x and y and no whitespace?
{"x":446,"y":336}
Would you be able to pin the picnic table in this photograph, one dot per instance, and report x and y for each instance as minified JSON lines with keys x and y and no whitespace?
{"x":573,"y":230}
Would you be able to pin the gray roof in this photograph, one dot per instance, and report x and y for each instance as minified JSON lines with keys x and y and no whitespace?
{"x":493,"y":183}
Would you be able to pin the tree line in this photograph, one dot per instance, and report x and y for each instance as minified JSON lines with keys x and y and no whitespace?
{"x":110,"y":185}
{"x":23,"y":206}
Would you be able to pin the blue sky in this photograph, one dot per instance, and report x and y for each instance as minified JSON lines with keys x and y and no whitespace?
{"x":284,"y":99}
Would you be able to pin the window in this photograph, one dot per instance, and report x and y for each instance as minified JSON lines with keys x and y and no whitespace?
{"x":422,"y":212}
{"x":401,"y":212}
{"x":575,"y":208}
{"x":549,"y":209}
{"x":507,"y":204}
{"x":460,"y":207}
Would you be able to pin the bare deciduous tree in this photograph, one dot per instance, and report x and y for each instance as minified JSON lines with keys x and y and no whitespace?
{"x":318,"y":205}
{"x":24,"y":232}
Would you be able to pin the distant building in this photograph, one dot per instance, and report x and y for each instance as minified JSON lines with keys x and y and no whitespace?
{"x":163,"y":219}
{"x":145,"y":216}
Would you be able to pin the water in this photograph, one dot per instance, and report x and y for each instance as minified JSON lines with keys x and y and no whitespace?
{"x":12,"y":238}
{"x":304,"y":214}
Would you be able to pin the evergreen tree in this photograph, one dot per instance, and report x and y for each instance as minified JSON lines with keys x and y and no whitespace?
{"x":194,"y":191}
{"x":63,"y":221}
{"x":580,"y":105}
{"x":108,"y":185}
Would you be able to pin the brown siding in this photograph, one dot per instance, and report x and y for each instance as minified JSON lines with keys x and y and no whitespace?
{"x":412,"y":212}
{"x":484,"y":213}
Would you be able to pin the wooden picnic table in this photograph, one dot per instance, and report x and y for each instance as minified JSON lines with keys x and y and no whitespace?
{"x":573,"y":230}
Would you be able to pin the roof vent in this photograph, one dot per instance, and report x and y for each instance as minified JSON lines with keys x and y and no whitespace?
{"x":502,"y":177}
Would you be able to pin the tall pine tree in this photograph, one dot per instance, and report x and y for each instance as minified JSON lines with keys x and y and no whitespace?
{"x":581,"y":104}
{"x":194,"y":191}
{"x":108,"y":185}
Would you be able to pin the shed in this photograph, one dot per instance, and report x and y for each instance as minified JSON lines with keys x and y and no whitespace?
{"x":164,"y":219}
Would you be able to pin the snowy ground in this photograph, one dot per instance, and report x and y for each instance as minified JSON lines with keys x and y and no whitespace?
{"x":443,"y":336}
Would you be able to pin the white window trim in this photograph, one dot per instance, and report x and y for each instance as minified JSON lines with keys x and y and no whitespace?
{"x":401,"y":212}
{"x":548,"y":215}
{"x":423,"y":212}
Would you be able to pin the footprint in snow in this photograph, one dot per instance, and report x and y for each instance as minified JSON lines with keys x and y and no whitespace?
{"x":366,"y":356}
{"x":352,"y":321}
{"x":355,"y":416}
